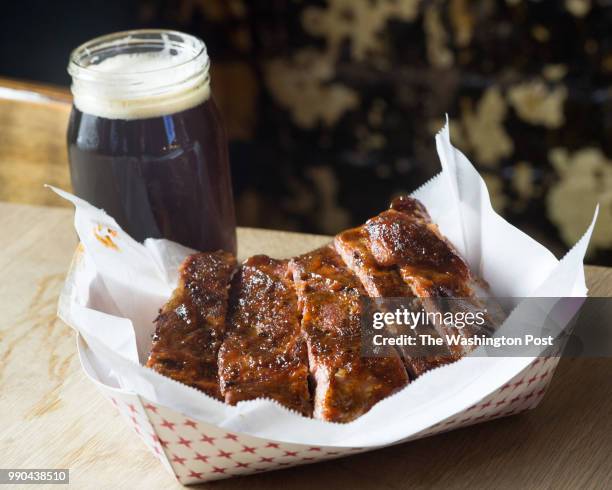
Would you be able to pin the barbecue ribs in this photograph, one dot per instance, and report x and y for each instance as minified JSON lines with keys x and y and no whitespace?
{"x":346,"y":384}
{"x":264,"y":353}
{"x":382,"y":281}
{"x":190,"y":325}
{"x":404,"y":237}
{"x":290,"y":330}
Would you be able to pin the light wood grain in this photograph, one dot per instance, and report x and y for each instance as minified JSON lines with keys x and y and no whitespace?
{"x":52,"y":416}
{"x":33,"y":123}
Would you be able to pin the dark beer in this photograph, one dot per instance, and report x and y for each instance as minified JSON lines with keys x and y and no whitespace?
{"x":146,"y":141}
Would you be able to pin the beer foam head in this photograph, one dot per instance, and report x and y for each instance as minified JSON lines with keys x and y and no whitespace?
{"x":139,"y":74}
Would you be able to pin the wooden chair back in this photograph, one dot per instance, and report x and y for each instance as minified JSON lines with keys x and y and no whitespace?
{"x":33,"y":122}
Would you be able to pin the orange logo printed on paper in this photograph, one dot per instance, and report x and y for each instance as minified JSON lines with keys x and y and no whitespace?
{"x":105,"y":235}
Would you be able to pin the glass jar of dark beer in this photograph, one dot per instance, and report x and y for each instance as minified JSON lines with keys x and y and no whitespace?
{"x":146,"y":142}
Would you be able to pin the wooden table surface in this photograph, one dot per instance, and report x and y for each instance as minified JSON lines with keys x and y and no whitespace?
{"x":53,"y":417}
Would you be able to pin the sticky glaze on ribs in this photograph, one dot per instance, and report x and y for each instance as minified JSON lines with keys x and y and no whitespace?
{"x":292,"y":330}
{"x":264,"y":353}
{"x":405,"y":237}
{"x":346,"y":384}
{"x":191,"y":324}
{"x":382,"y":281}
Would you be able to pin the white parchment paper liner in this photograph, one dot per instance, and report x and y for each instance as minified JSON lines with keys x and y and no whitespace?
{"x":113,"y":296}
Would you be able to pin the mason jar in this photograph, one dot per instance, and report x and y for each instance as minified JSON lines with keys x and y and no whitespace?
{"x":146,"y":141}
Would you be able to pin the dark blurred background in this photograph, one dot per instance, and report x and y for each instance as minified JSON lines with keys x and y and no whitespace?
{"x":332,"y":106}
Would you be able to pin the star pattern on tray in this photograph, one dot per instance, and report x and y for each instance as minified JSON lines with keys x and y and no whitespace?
{"x":195,"y":451}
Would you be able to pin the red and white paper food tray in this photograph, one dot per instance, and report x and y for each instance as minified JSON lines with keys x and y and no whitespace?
{"x":195,"y":451}
{"x":113,"y":293}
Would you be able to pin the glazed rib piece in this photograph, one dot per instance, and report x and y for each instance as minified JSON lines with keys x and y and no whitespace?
{"x":439,"y":267}
{"x":385,"y":282}
{"x":346,"y":384}
{"x":405,"y":237}
{"x":190,"y":325}
{"x":378,"y":281}
{"x":475,"y":287}
{"x":264,"y":353}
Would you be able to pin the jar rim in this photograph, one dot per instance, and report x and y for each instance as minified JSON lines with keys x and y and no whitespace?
{"x":76,"y":66}
{"x":126,"y":90}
